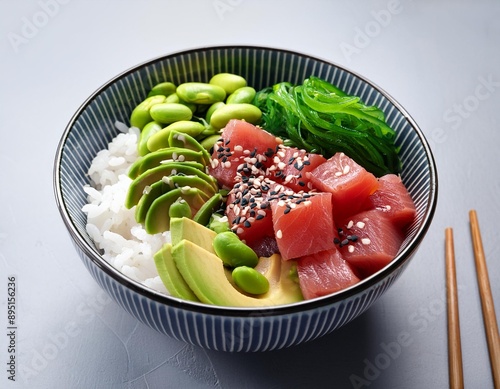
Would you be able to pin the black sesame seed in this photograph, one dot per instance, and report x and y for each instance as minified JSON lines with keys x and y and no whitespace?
{"x":336,"y":240}
{"x":352,"y":238}
{"x":306,"y":162}
{"x":247,"y":224}
{"x":259,"y":217}
{"x":302,"y":183}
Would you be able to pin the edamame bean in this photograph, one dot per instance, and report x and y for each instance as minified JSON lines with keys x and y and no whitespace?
{"x":212,"y":109}
{"x":228,"y":81}
{"x":233,"y":251}
{"x":169,"y":113}
{"x":250,"y":280}
{"x":245,"y":94}
{"x":209,"y":141}
{"x":163,"y":88}
{"x":141,"y":115}
{"x":219,"y":223}
{"x":147,"y":132}
{"x":200,"y":93}
{"x":179,"y":208}
{"x":173,"y":98}
{"x":161,"y":138}
{"x":244,"y":111}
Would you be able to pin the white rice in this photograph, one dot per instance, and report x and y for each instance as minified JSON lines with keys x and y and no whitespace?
{"x":112,"y":227}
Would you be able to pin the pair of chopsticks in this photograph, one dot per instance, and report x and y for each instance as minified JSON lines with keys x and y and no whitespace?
{"x":489,"y":318}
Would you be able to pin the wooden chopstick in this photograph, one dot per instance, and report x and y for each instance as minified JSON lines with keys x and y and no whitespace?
{"x":489,"y":317}
{"x":454,"y":343}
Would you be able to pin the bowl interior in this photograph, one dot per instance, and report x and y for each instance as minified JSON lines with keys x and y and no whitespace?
{"x":92,"y":127}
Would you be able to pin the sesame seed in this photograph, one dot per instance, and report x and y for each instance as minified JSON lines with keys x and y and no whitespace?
{"x":360,"y":225}
{"x":227,"y":164}
{"x":338,"y":174}
{"x":350,"y":224}
{"x":365,"y":241}
{"x":346,"y":169}
{"x":238,"y":148}
{"x":350,"y":248}
{"x":279,"y":234}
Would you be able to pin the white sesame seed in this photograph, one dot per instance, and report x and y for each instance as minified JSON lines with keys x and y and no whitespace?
{"x":360,"y":225}
{"x":346,"y":169}
{"x":350,"y":248}
{"x":279,"y":234}
{"x":146,"y":190}
{"x":338,"y":174}
{"x":366,"y":241}
{"x":238,"y":148}
{"x":227,"y":164}
{"x":174,"y":155}
{"x":214,"y":163}
{"x":350,"y":224}
{"x":239,"y":231}
{"x":281,"y":165}
{"x":307,"y":203}
{"x":181,"y":158}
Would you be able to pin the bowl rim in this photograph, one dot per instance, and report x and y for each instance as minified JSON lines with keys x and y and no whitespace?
{"x":302,"y":306}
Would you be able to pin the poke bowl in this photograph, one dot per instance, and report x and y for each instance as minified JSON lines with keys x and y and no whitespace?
{"x":103,"y":124}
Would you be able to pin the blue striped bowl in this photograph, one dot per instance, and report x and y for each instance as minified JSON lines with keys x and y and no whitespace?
{"x":223,"y":328}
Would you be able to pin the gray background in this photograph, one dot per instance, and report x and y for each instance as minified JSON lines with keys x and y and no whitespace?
{"x":441,"y":60}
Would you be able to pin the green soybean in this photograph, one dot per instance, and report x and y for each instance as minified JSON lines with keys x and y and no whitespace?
{"x":169,"y":113}
{"x":244,"y":111}
{"x":161,"y":138}
{"x":212,"y":109}
{"x":219,"y":223}
{"x":250,"y":280}
{"x":173,"y":98}
{"x":147,"y":132}
{"x":163,"y":88}
{"x":233,"y":251}
{"x":180,"y":208}
{"x":200,"y":93}
{"x":228,"y":81}
{"x":245,"y":94}
{"x":141,"y":115}
{"x":209,"y":141}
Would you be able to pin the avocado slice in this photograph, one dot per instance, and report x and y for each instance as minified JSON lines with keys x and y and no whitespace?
{"x":185,"y":228}
{"x":157,"y":217}
{"x":204,"y":272}
{"x":180,"y":139}
{"x":173,"y":154}
{"x":149,"y":177}
{"x":166,"y":184}
{"x":204,"y":213}
{"x":170,"y":276}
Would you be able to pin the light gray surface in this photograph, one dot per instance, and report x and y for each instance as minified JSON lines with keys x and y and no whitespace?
{"x":440,"y":61}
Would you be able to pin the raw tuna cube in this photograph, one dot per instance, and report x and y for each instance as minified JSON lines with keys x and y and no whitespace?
{"x":303,"y":223}
{"x":393,"y":199}
{"x":241,"y":144}
{"x":324,"y":273}
{"x":349,"y":183}
{"x":290,"y":166}
{"x":369,"y":241}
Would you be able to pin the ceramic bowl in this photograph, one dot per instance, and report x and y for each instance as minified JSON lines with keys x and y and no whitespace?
{"x":223,"y":328}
